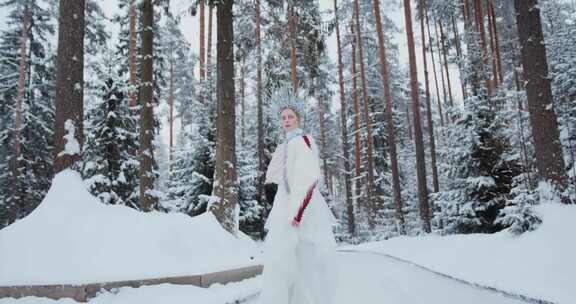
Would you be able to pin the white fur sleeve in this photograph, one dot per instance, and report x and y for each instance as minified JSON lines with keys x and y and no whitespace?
{"x":274,"y":171}
{"x":304,"y":172}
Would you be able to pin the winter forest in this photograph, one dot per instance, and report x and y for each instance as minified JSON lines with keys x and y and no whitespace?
{"x":446,"y":130}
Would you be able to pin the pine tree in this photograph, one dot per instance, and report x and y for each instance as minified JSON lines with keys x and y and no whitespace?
{"x":21,"y":193}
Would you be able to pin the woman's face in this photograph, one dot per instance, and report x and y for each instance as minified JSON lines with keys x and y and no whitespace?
{"x":289,"y":120}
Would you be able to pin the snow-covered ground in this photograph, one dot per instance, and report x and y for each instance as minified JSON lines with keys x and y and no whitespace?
{"x":73,"y":238}
{"x":539,"y":264}
{"x":362,"y":278}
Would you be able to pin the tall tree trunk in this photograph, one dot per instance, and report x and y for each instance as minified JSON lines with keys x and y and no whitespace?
{"x":292,"y":40}
{"x":428,"y":103}
{"x":202,"y":39}
{"x":420,"y":161}
{"x":209,"y":82}
{"x":498,"y":58}
{"x":357,"y":147}
{"x":171,"y":119}
{"x":409,"y":122}
{"x":374,"y":203}
{"x":344,"y":135}
{"x":69,"y":137}
{"x":440,"y":66}
{"x":146,"y":151}
{"x":243,"y":101}
{"x":444,"y":54}
{"x":549,"y":155}
{"x":431,"y":48}
{"x":260,"y":114}
{"x":480,"y":29}
{"x":132,"y":55}
{"x":323,"y":140}
{"x":460,"y":58}
{"x":495,"y":80}
{"x":225,"y":183}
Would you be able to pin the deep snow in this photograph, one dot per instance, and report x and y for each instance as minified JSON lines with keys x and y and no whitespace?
{"x":73,"y":238}
{"x":538,"y":264}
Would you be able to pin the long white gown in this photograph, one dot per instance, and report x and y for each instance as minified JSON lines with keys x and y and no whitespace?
{"x":299,"y":265}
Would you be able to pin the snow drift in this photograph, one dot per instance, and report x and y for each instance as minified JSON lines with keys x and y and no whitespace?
{"x":538,"y":264}
{"x":72,"y":238}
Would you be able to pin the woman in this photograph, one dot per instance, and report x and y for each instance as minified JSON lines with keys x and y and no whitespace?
{"x":299,"y":248}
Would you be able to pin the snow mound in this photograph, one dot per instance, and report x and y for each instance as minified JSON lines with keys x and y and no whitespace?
{"x":538,"y":264}
{"x":72,"y":238}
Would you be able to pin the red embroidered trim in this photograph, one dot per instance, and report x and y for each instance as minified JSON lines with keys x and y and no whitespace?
{"x":305,"y":203}
{"x":307,"y":141}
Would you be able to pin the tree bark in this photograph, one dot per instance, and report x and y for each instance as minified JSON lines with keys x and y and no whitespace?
{"x":374,"y":204}
{"x":225,"y":183}
{"x":431,"y":48}
{"x":243,"y":101}
{"x":428,"y":103}
{"x":208,"y":68}
{"x":480,"y":29}
{"x":496,"y":42}
{"x":444,"y":54}
{"x":260,"y":114}
{"x":132,"y":54}
{"x":440,"y":67}
{"x":495,"y":80}
{"x":549,"y":155}
{"x":420,"y":162}
{"x":171,"y":118}
{"x":292,"y":39}
{"x":146,"y":151}
{"x":357,"y":148}
{"x":323,"y":139}
{"x":202,"y":40}
{"x":69,"y":84}
{"x":460,"y":57}
{"x":351,"y":221}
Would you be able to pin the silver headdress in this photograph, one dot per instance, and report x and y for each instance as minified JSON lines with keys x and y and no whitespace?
{"x":282,"y":97}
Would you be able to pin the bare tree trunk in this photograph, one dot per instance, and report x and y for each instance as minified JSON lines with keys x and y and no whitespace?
{"x":69,"y":85}
{"x":171,"y":119}
{"x":480,"y":29}
{"x":444,"y":52}
{"x":209,"y":57}
{"x":460,"y":57}
{"x":375,"y":204}
{"x":292,"y":39}
{"x":243,"y":101}
{"x":323,"y":140}
{"x":409,"y":122}
{"x":146,"y":151}
{"x":431,"y":48}
{"x":549,"y":155}
{"x":498,"y":58}
{"x":440,"y":66}
{"x":225,"y":181}
{"x":132,"y":55}
{"x":344,"y":121}
{"x":202,"y":40}
{"x":428,"y":103}
{"x":495,"y":80}
{"x":260,"y":127}
{"x":357,"y":147}
{"x":420,"y":161}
